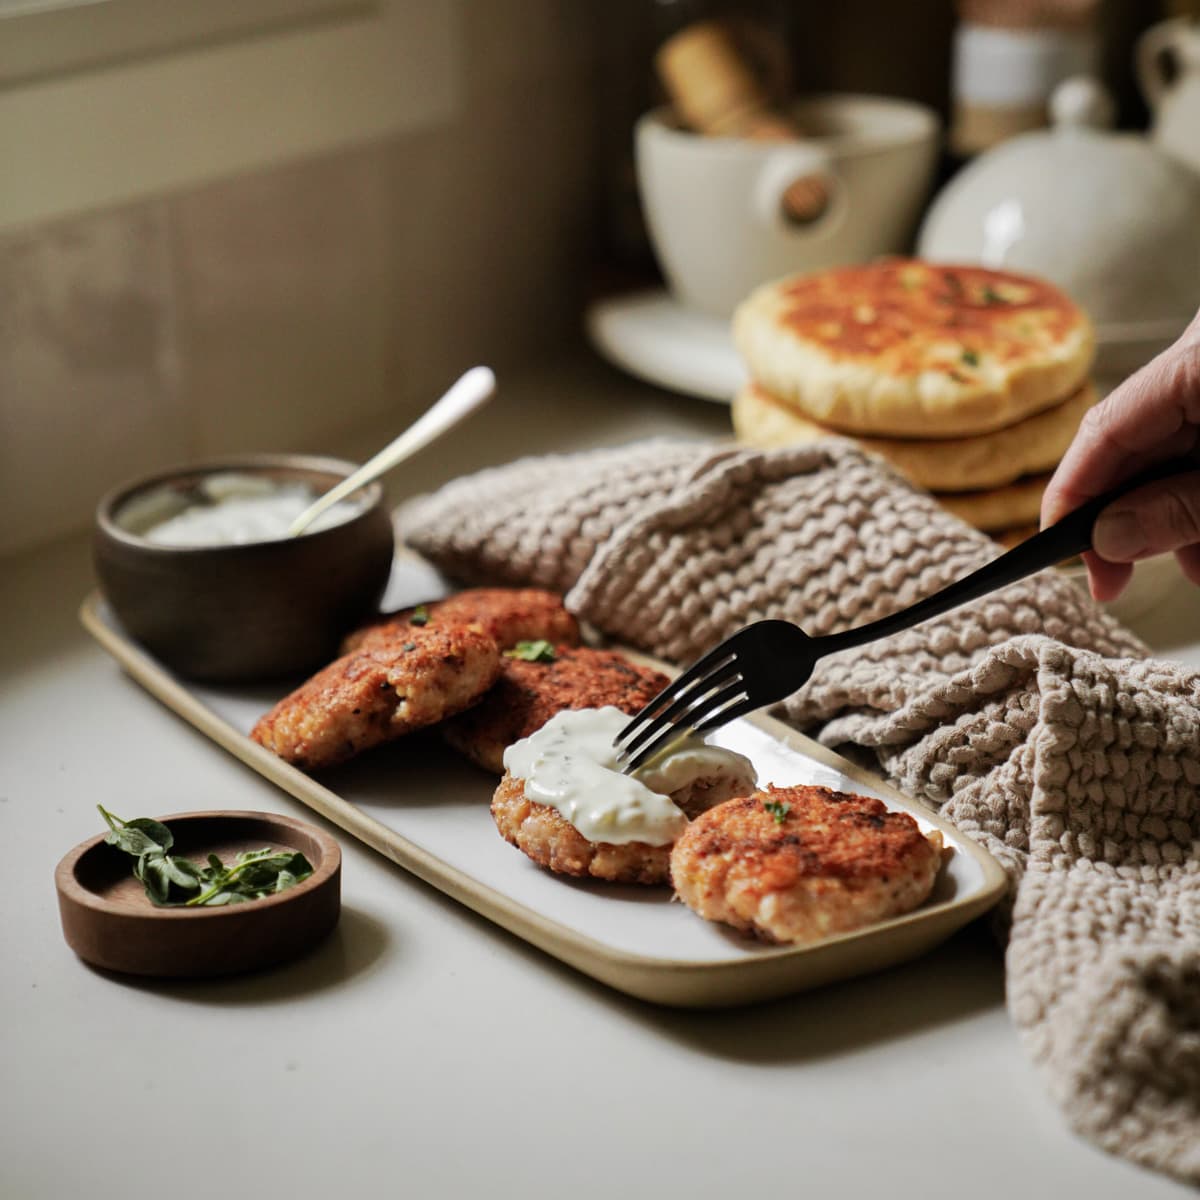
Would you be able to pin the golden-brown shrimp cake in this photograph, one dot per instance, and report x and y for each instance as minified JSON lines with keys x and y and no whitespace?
{"x":565,"y":803}
{"x":528,"y":694}
{"x":548,"y":838}
{"x":799,"y":864}
{"x":733,"y":777}
{"x":378,"y":693}
{"x":510,"y":615}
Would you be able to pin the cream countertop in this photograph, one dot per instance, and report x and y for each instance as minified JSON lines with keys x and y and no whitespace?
{"x":423,"y":1052}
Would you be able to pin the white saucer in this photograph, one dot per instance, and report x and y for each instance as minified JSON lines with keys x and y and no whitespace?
{"x":654,"y":337}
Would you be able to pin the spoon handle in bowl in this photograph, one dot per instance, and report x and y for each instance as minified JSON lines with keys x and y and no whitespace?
{"x":464,"y":397}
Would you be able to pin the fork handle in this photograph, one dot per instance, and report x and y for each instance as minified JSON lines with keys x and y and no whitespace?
{"x":1064,"y":539}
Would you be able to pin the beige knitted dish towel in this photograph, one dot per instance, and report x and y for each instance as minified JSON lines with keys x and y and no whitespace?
{"x":1030,"y":718}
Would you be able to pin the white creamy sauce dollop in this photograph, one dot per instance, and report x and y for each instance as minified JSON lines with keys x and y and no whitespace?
{"x":230,"y":510}
{"x":570,"y":765}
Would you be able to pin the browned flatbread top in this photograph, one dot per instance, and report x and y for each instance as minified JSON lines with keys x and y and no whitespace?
{"x":509,"y":615}
{"x":901,"y":313}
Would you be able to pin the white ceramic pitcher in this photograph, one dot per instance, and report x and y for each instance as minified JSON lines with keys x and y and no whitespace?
{"x":1174,"y":98}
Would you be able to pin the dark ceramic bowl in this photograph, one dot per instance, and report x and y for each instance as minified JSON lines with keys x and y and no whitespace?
{"x":258,"y":611}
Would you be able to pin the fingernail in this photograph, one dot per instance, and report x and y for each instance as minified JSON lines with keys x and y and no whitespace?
{"x":1118,"y":537}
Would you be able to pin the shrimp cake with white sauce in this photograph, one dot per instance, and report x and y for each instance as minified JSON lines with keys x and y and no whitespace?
{"x":376,"y":694}
{"x":528,"y":694}
{"x":798,"y":864}
{"x":510,"y":615}
{"x":553,"y":842}
{"x":548,"y":838}
{"x":564,"y":802}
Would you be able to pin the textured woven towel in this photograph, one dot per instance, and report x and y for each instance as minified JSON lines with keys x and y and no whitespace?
{"x":1030,"y":718}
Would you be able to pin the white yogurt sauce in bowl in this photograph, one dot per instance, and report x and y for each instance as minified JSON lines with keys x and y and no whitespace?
{"x":197,"y":565}
{"x":226,"y":509}
{"x":570,"y":765}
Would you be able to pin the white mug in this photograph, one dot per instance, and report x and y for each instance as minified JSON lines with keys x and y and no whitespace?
{"x":714,"y":205}
{"x":1175,"y":102}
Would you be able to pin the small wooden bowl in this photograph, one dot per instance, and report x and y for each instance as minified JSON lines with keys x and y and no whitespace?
{"x":110,"y":922}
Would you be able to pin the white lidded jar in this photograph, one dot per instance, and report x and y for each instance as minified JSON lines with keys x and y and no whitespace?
{"x":1106,"y":216}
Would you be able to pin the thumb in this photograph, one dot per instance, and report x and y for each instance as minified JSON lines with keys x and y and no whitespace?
{"x":1155,"y":519}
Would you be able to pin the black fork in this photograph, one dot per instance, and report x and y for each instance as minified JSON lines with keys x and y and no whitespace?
{"x":766,"y":661}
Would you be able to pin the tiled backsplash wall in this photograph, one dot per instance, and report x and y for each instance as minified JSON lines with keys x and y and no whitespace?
{"x":281,"y":307}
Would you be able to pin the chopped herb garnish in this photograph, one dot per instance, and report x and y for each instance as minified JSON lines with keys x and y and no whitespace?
{"x":420,"y":615}
{"x":778,"y":809}
{"x":410,"y":646}
{"x":971,"y":357}
{"x":991,"y":296}
{"x":169,"y":880}
{"x":539,"y":651}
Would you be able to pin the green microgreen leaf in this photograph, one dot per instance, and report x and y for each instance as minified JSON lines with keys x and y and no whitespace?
{"x":180,"y":872}
{"x":136,"y":837}
{"x":778,"y":809}
{"x":539,"y":651}
{"x":156,"y":831}
{"x":149,"y":871}
{"x":254,"y":874}
{"x":971,"y":357}
{"x":420,"y":615}
{"x":991,"y":296}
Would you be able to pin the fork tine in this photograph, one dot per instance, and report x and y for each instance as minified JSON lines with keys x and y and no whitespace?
{"x":714,"y":659}
{"x":689,"y":696}
{"x":717,"y":656}
{"x":725,"y":715}
{"x":669,"y":733}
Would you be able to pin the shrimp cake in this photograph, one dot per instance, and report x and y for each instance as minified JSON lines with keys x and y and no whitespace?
{"x":379,"y":693}
{"x":548,"y":838}
{"x":528,"y":694}
{"x":720,"y":782}
{"x":510,"y":615}
{"x":553,"y":841}
{"x":816,"y":863}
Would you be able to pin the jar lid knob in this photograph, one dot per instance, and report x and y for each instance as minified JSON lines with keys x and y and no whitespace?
{"x":1081,"y":102}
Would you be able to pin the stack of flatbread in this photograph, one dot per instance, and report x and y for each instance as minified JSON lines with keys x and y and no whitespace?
{"x":970,"y":382}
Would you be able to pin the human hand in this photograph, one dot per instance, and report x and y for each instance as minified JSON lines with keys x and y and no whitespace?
{"x":1154,"y":415}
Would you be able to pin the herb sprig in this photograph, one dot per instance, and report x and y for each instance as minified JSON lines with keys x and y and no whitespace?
{"x":779,"y":809}
{"x":174,"y":882}
{"x":539,"y":651}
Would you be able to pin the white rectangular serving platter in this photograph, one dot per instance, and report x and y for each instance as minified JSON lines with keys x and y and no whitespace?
{"x":427,"y":810}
